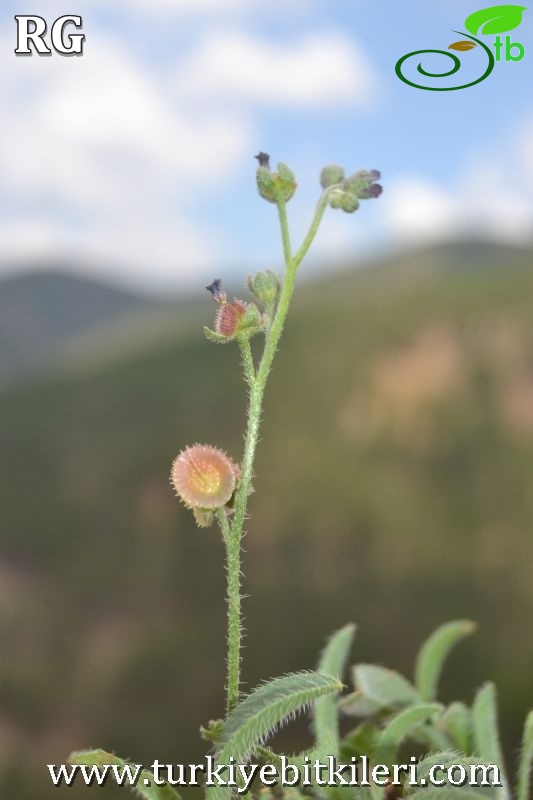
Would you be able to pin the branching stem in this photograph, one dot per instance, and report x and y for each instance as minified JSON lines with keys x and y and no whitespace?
{"x":257,"y":382}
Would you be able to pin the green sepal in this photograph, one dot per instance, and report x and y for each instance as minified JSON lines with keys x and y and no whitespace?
{"x":215,"y":337}
{"x":203,"y":517}
{"x":331,"y":175}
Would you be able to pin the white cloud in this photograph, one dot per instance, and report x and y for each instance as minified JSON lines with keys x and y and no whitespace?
{"x":322,"y":71}
{"x":492,"y":197}
{"x":108,"y":162}
{"x":415,"y":208}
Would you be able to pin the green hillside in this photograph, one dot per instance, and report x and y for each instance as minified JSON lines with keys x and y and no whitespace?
{"x":44,"y":313}
{"x":393,"y":487}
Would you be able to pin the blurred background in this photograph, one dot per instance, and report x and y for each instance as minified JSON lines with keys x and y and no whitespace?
{"x":394,"y":476}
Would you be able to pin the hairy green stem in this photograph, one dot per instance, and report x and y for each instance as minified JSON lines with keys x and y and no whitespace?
{"x":257,"y":382}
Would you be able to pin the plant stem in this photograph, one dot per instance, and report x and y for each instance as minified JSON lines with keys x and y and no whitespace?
{"x":257,"y":383}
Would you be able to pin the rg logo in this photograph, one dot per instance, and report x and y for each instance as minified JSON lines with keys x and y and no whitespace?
{"x":31,"y":30}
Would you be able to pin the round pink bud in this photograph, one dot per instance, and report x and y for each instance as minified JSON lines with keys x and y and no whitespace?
{"x":204,"y":477}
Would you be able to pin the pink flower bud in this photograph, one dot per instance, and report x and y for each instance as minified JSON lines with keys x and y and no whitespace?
{"x":229,"y":317}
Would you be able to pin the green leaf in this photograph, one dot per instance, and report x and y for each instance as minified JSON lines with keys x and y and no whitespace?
{"x":268,"y":707}
{"x":384,"y":687}
{"x":98,"y":758}
{"x":446,"y":793}
{"x":356,"y":704}
{"x":496,"y":19}
{"x":433,"y":653}
{"x":448,"y":759}
{"x":399,"y":728}
{"x":359,"y":742}
{"x":325,"y":717}
{"x":526,"y":760}
{"x":263,"y":711}
{"x":486,"y":733}
{"x":457,"y":723}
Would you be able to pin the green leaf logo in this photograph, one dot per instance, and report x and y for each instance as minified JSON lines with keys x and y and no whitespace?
{"x":496,"y":19}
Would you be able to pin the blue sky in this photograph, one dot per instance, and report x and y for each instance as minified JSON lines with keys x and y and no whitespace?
{"x":135,"y":162}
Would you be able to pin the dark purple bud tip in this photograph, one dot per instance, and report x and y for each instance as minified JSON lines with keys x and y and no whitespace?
{"x":215,"y":289}
{"x":374,"y":174}
{"x":264,"y":159}
{"x":374,"y":190}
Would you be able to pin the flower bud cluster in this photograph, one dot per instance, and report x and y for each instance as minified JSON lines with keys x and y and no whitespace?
{"x":346,"y":192}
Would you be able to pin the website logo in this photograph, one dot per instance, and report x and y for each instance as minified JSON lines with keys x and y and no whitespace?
{"x":491,"y":21}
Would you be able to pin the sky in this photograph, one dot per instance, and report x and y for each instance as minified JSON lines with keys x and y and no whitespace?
{"x":134,"y":162}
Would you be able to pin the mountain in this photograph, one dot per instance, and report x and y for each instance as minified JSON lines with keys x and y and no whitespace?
{"x":392,"y":488}
{"x":42,"y":313}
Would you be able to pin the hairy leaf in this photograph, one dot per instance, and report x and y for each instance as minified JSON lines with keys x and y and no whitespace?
{"x":263,"y":711}
{"x":268,"y":707}
{"x":384,"y":687}
{"x":486,"y":733}
{"x":146,"y":787}
{"x":325,"y":716}
{"x":356,"y":704}
{"x":399,"y":728}
{"x":526,"y":760}
{"x":496,"y":19}
{"x":433,"y":653}
{"x":457,"y":723}
{"x":445,"y":760}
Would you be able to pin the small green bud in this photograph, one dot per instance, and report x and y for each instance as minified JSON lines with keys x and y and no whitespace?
{"x":350,"y":203}
{"x":344,"y":200}
{"x":265,"y":287}
{"x":363,"y":184}
{"x":212,"y":731}
{"x":273,"y":186}
{"x":266,"y":184}
{"x":331,"y":175}
{"x":252,"y":321}
{"x":286,"y":181}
